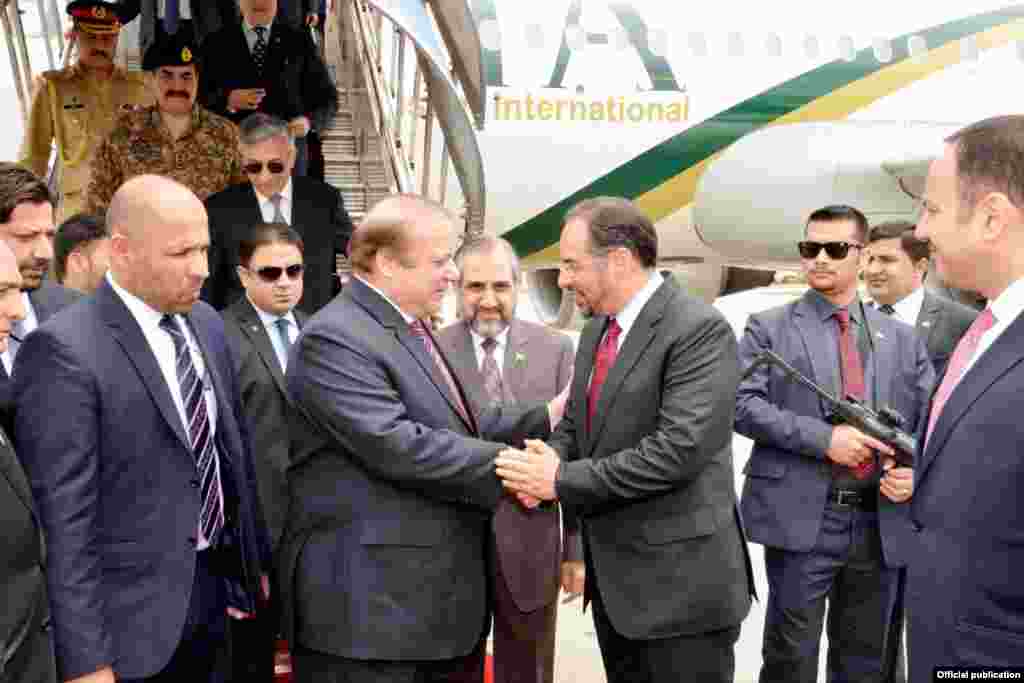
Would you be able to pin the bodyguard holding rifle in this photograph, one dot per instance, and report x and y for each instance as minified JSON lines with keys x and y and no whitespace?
{"x":834,"y":524}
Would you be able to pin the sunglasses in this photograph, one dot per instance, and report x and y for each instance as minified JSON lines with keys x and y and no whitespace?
{"x":275,"y":166}
{"x":836,"y":251}
{"x":273,"y":273}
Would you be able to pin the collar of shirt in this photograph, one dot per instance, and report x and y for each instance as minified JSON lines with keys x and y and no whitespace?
{"x":31,"y":321}
{"x":499,"y":350}
{"x":184,"y":9}
{"x":269,"y":320}
{"x":405,"y":316}
{"x":826,"y":309}
{"x":1007,"y":307}
{"x":198,"y":120}
{"x":631,"y":311}
{"x":250,"y":32}
{"x":908,"y":309}
{"x":286,"y":200}
{"x":147,"y":316}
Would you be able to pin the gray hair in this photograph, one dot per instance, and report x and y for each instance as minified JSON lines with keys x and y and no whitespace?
{"x":487,"y":244}
{"x":260,"y":127}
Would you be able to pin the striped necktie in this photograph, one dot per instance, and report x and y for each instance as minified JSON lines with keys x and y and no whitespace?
{"x":281,"y":325}
{"x":259,"y":50}
{"x":887,"y":309}
{"x":417,"y":328}
{"x":211,"y":513}
{"x":489,"y":369}
{"x":275,"y":200}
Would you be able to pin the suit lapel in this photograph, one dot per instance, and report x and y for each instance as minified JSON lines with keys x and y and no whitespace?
{"x":812,"y":331}
{"x":253,"y":327}
{"x":585,"y":357}
{"x":514,"y":368}
{"x":1000,"y":358}
{"x":125,"y":329}
{"x":464,"y":360}
{"x":636,"y":341}
{"x":13,"y":473}
{"x":881,"y":358}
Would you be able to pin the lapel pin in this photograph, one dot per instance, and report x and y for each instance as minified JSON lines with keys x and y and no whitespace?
{"x":879,"y":335}
{"x":926,"y":323}
{"x":255,"y":328}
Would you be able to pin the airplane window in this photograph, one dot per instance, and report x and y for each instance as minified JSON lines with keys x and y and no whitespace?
{"x":535,"y":36}
{"x":735,"y":44}
{"x":847,"y":50}
{"x":657,"y":41}
{"x":882,"y":49}
{"x":575,"y":37}
{"x":490,"y":35}
{"x":773,"y":45}
{"x":811,"y":47}
{"x":917,"y":46}
{"x":698,"y":45}
{"x":968,"y":49}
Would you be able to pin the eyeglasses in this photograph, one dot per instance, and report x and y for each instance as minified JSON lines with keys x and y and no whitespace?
{"x":836,"y":251}
{"x":273,"y":273}
{"x":275,"y":166}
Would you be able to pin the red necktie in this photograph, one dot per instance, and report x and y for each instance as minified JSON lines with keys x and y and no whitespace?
{"x":603,"y":362}
{"x":965,"y":350}
{"x":853,"y":375}
{"x":420,"y":330}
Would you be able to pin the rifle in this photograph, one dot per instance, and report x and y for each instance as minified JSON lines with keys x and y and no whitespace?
{"x":886,"y":425}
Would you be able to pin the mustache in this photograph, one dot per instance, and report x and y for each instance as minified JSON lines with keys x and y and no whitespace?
{"x":177,"y":93}
{"x":101,"y":53}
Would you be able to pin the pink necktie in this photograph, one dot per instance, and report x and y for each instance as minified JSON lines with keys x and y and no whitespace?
{"x":851,"y":365}
{"x":419,"y":329}
{"x":965,"y":350}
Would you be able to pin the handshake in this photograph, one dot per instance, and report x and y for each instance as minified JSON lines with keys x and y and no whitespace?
{"x":529,"y":474}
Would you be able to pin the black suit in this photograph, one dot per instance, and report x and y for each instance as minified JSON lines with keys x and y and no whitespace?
{"x":383,"y":562}
{"x":295,"y":78}
{"x":652,"y":481}
{"x":26,"y":648}
{"x":318,"y":215}
{"x":264,"y":403}
{"x":295,"y":11}
{"x":207,"y":16}
{"x":942,"y":322}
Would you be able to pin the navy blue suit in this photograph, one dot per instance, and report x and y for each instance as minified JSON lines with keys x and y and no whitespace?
{"x":965,"y":596}
{"x":115,"y":479}
{"x":788,"y":476}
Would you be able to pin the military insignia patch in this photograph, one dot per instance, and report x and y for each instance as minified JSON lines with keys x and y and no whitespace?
{"x":99,"y":12}
{"x":186,"y":55}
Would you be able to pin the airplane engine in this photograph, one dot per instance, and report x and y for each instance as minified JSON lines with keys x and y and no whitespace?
{"x":752,"y":202}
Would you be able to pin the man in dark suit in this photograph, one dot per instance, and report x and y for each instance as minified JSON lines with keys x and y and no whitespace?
{"x":833,"y":520}
{"x":145,"y":483}
{"x":299,"y":13}
{"x":391,"y":484}
{"x":27,"y":226}
{"x":261,"y":327}
{"x":160,"y":18}
{"x":895,"y":266}
{"x":500,"y":359}
{"x":26,"y":645}
{"x":315,"y":209}
{"x":965,"y":599}
{"x":644,"y":457}
{"x":259,"y":64}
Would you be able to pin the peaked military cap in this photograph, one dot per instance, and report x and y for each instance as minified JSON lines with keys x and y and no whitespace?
{"x":177,"y":50}
{"x":96,"y":16}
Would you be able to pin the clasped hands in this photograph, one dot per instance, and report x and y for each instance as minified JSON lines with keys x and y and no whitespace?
{"x":529,"y":474}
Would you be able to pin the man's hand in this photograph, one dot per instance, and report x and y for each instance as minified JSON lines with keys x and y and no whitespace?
{"x":532,"y":471}
{"x":574,"y":576}
{"x":245,"y":98}
{"x":898,"y":482}
{"x":104,"y":675}
{"x":265,"y":586}
{"x":299,"y":127}
{"x":556,"y":406}
{"x":312,"y":19}
{"x":851,"y":447}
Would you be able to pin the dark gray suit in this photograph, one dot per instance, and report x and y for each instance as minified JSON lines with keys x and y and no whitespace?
{"x":26,"y":648}
{"x":941,"y":323}
{"x":653,"y":483}
{"x":207,"y":17}
{"x":536,"y":367}
{"x":390,"y":497}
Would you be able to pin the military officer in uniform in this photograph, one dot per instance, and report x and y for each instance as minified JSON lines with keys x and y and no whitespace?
{"x":78,"y":105}
{"x":176,"y":138}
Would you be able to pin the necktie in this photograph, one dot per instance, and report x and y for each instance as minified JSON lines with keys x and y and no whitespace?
{"x":420,"y":331}
{"x":211,"y":512}
{"x":259,"y":50}
{"x":965,"y":350}
{"x":852,"y":370}
{"x":489,"y":369}
{"x":281,"y":325}
{"x":275,"y":199}
{"x":171,"y":15}
{"x":603,"y":362}
{"x":887,"y":309}
{"x":18,"y":332}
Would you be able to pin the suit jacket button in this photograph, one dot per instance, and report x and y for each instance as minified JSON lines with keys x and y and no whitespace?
{"x":194,"y":483}
{"x":918,"y":527}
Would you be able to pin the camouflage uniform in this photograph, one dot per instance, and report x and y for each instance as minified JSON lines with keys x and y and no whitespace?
{"x":206,"y":159}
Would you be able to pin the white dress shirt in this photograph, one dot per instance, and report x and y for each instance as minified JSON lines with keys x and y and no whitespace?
{"x":250,"y":33}
{"x":269,"y":321}
{"x":405,"y":316}
{"x":1005,"y":309}
{"x":162,"y":346}
{"x":184,"y":9}
{"x":908,"y":309}
{"x":267,"y":206}
{"x":499,"y":350}
{"x":30,"y":323}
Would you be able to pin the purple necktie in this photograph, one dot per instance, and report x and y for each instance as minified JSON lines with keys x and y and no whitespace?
{"x":420,"y":331}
